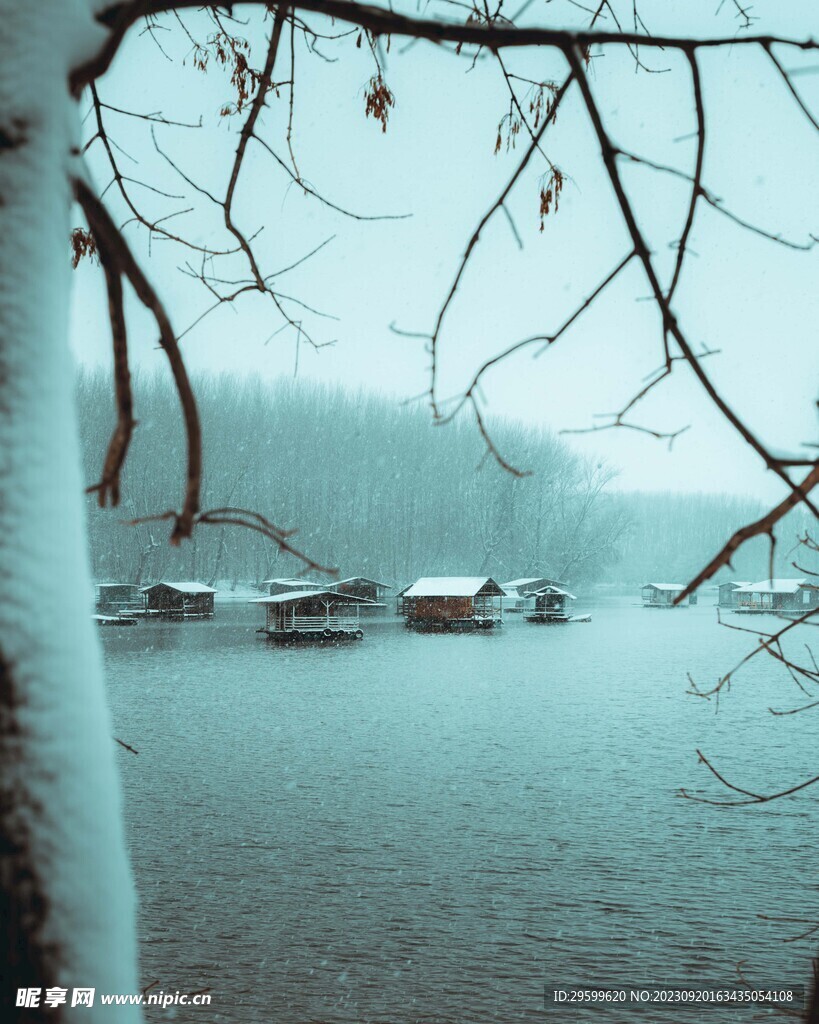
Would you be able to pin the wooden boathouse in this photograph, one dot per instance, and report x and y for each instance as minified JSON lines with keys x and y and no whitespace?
{"x":795,"y":596}
{"x":529,"y":584}
{"x":549,"y":605}
{"x":179,"y":600}
{"x":288,"y":586}
{"x":663,"y":595}
{"x":111,"y":599}
{"x":361,"y":586}
{"x":312,"y":615}
{"x":728,"y":592}
{"x":452,"y":603}
{"x":517,"y":592}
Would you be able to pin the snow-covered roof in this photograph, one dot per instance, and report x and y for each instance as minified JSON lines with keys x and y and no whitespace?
{"x":773,"y":587}
{"x":296,"y":583}
{"x":736,"y":583}
{"x":524,"y":581}
{"x":453,"y":586}
{"x":293,"y":596}
{"x":101,"y":585}
{"x":182,"y":588}
{"x":550,"y":590}
{"x":664,"y":586}
{"x":363,"y":579}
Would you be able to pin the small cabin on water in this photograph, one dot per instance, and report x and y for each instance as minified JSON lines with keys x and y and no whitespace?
{"x":778,"y":596}
{"x":663,"y":595}
{"x":452,"y":602}
{"x":305,"y":615}
{"x":728,"y":593}
{"x":529,"y":584}
{"x":518,"y":591}
{"x":549,"y":605}
{"x":179,"y":600}
{"x":287,"y":586}
{"x":113,"y":598}
{"x":360,"y":586}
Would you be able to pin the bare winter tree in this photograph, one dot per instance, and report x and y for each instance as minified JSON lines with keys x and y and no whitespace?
{"x":66,"y":889}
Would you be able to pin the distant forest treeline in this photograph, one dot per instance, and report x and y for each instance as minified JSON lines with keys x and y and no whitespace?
{"x":375,"y":489}
{"x":674,"y":535}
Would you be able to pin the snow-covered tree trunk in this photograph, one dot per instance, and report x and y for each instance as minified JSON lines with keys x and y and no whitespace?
{"x":66,"y":892}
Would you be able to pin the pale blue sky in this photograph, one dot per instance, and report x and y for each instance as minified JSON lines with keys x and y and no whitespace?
{"x":755,"y":301}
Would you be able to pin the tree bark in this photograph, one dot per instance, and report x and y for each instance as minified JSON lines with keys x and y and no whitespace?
{"x":66,"y":892}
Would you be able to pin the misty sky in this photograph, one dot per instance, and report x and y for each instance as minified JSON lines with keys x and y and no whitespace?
{"x":753,"y":300}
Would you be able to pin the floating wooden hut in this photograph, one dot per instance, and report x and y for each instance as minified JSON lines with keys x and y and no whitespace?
{"x":728,"y":592}
{"x":113,"y":599}
{"x":452,"y":603}
{"x":179,"y":600}
{"x":288,"y":586}
{"x":794,"y":596}
{"x":361,"y":586}
{"x":663,"y":595}
{"x":529,"y":584}
{"x":517,"y":591}
{"x":312,"y":615}
{"x":549,"y":605}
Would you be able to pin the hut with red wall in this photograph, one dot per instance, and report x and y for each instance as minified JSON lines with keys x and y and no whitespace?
{"x":452,"y":602}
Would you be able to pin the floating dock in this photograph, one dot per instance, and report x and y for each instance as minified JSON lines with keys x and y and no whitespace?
{"x":311,"y":616}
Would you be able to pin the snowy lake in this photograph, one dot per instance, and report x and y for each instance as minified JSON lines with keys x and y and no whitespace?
{"x":435,"y":828}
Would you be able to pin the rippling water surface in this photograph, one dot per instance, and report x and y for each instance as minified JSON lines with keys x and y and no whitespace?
{"x":427,"y":828}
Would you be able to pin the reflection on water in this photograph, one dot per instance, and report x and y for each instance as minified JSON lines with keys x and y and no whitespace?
{"x":432,"y":828}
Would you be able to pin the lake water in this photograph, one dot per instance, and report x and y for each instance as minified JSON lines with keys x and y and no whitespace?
{"x":433,"y":828}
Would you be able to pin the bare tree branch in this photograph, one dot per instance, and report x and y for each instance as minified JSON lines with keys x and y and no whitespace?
{"x":120,"y":16}
{"x":476,"y":234}
{"x":761,"y":526}
{"x":697,"y":183}
{"x":768,"y":47}
{"x":753,"y":798}
{"x":108,"y":486}
{"x":106,"y":233}
{"x":669,"y":321}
